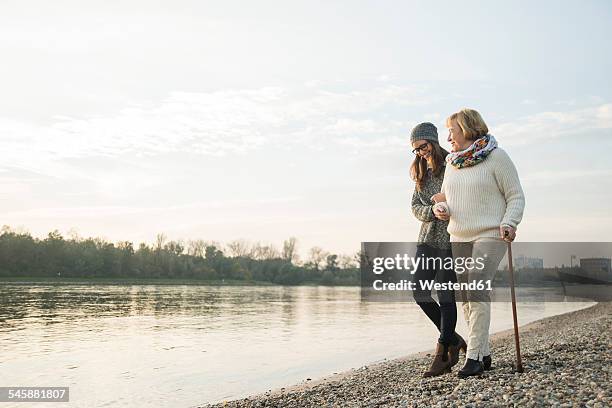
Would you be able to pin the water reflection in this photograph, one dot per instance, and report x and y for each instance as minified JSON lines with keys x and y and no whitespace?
{"x":49,"y":304}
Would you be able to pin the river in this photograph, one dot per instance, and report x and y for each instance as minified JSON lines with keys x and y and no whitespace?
{"x":180,"y":346}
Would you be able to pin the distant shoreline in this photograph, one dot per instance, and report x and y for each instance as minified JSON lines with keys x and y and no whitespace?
{"x":130,"y":281}
{"x":145,"y":281}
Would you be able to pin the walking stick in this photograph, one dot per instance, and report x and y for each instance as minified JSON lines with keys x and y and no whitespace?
{"x":519,"y":363}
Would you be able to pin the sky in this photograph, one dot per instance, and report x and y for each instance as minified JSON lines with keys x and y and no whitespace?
{"x":272,"y":119}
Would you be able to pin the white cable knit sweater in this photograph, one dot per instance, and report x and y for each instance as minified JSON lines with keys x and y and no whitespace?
{"x":483,"y":197}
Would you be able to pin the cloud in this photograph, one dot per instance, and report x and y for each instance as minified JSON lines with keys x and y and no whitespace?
{"x":213,"y":123}
{"x":568,"y":102}
{"x":349,"y":126}
{"x":546,"y":177}
{"x":236,"y":122}
{"x":554,"y":124}
{"x":380,"y":145}
{"x":107,"y":211}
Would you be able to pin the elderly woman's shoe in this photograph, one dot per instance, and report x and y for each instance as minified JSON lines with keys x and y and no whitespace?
{"x":441,"y":362}
{"x":471,"y":367}
{"x":486,"y":362}
{"x":453,"y":349}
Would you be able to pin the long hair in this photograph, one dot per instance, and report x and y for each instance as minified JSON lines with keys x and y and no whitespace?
{"x":418,"y":169}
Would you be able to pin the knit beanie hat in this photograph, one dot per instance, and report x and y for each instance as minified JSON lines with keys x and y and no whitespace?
{"x":424,"y":131}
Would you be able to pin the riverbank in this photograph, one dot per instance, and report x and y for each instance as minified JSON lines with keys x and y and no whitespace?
{"x":566,"y":360}
{"x":129,"y":281}
{"x":145,"y":281}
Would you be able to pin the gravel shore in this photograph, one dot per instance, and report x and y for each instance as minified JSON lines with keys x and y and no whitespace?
{"x":566,"y":360}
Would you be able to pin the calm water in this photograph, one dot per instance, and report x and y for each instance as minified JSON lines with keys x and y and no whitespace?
{"x":180,"y":346}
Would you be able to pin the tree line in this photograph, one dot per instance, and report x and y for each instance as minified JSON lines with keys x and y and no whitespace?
{"x":22,"y":255}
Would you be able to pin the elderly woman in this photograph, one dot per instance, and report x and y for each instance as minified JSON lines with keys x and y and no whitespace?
{"x":485,"y":201}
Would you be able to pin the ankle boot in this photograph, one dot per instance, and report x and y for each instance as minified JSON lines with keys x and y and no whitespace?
{"x":486,"y":362}
{"x":471,"y":367}
{"x":441,"y":362}
{"x":453,"y":350}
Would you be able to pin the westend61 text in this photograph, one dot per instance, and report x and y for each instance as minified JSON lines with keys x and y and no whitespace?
{"x":430,"y":284}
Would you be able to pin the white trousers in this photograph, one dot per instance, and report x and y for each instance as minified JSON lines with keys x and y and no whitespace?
{"x":477,"y":303}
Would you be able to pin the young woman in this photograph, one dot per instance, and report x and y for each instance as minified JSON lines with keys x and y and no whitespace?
{"x":427,"y":171}
{"x":484,"y":195}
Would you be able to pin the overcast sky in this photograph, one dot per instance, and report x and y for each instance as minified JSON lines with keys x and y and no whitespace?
{"x":265,"y":120}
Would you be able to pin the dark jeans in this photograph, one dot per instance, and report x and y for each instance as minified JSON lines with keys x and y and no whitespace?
{"x":444,"y":315}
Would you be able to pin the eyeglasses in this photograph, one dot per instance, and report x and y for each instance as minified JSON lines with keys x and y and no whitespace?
{"x":417,"y":149}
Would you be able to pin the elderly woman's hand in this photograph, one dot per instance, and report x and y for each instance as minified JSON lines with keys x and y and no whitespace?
{"x":508,"y":233}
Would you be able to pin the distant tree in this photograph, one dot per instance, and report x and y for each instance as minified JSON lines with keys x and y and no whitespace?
{"x":73,"y":234}
{"x":55,"y":235}
{"x":211,"y":253}
{"x":238,"y":248}
{"x":359,"y":257}
{"x":328,"y":278}
{"x":175,"y":247}
{"x":160,"y":240}
{"x":23,"y":255}
{"x":316,"y":257}
{"x":126,"y":246}
{"x":290,"y":275}
{"x":347,"y":261}
{"x":290,"y":250}
{"x":196,"y":248}
{"x":331,"y":262}
{"x":263,"y":252}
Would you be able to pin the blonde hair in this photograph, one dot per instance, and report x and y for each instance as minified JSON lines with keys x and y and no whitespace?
{"x":470,"y":122}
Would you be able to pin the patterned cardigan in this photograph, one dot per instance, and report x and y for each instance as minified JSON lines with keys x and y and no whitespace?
{"x":433,"y":231}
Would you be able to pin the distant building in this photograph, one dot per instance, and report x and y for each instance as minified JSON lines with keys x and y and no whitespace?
{"x":591,"y":271}
{"x":523,"y":262}
{"x":596,"y":265}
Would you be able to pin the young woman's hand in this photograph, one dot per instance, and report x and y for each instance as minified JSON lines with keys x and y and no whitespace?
{"x":441,"y":215}
{"x":508,"y":233}
{"x":438,"y":198}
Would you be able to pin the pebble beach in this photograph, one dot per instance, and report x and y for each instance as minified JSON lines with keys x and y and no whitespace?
{"x":566,"y":360}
